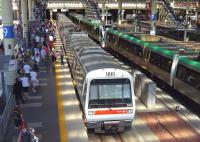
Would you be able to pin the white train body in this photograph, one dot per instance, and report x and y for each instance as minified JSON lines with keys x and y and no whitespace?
{"x":104,"y":88}
{"x":115,"y":112}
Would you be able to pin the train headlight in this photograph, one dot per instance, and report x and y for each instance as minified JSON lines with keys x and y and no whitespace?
{"x":91,"y":112}
{"x":130,"y":110}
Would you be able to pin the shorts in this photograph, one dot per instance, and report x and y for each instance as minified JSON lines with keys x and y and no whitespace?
{"x":25,"y":89}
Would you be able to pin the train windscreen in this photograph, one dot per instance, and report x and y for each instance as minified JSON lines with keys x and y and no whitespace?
{"x":105,"y":93}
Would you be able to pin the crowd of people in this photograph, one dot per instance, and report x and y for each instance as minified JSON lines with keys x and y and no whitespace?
{"x":40,"y":53}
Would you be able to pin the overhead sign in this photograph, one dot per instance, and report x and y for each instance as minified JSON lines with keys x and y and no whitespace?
{"x":8,"y":31}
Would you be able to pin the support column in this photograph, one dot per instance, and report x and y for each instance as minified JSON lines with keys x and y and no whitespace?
{"x":103,"y":10}
{"x":119,"y":12}
{"x":8,"y":27}
{"x":30,"y":9}
{"x":51,"y":14}
{"x":33,"y":9}
{"x":153,"y":16}
{"x":24,"y":5}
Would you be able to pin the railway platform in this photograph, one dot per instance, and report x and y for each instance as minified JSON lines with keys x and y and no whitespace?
{"x":54,"y":110}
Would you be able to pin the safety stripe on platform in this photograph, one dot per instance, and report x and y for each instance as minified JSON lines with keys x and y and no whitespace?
{"x":63,"y":133}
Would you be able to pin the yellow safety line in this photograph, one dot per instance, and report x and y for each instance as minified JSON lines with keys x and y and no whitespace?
{"x":61,"y":116}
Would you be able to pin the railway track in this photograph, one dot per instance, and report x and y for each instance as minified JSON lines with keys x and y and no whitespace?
{"x":115,"y":137}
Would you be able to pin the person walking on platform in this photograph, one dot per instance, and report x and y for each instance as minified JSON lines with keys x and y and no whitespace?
{"x":36,"y":67}
{"x":17,"y":116}
{"x":25,"y":85}
{"x":53,"y":55}
{"x":62,"y":53}
{"x":24,"y":135}
{"x":27,"y":69}
{"x":34,"y":80}
{"x":17,"y":91}
{"x":43,"y":55}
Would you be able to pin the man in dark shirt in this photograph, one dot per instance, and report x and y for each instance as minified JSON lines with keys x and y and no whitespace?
{"x":17,"y":91}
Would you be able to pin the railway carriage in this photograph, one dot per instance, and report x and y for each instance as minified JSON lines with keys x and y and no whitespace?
{"x":104,"y":88}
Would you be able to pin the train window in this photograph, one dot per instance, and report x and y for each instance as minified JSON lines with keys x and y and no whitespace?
{"x":161,"y":61}
{"x":155,"y":59}
{"x":189,"y":76}
{"x":110,"y":93}
{"x":166,"y":64}
{"x":79,"y":77}
{"x":111,"y":38}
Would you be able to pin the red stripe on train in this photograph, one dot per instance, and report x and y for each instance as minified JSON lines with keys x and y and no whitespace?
{"x":104,"y":112}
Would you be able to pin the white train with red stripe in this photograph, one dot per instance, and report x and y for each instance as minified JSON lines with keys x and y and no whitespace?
{"x":104,"y":88}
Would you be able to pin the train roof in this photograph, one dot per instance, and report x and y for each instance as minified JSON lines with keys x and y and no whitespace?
{"x":170,"y":54}
{"x":91,"y":55}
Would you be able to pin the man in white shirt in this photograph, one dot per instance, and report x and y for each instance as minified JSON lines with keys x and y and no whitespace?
{"x":43,"y":56}
{"x":25,"y":85}
{"x":37,"y":38}
{"x":27,"y":69}
{"x":34,"y":80}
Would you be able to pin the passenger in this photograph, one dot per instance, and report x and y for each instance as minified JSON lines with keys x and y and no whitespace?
{"x":34,"y":80}
{"x":37,"y":39}
{"x":43,"y":55}
{"x":35,"y":67}
{"x":25,"y":85}
{"x":62,"y":53}
{"x":17,"y":91}
{"x":18,"y":116}
{"x":24,"y":135}
{"x":37,"y":57}
{"x":53,"y":56}
{"x":190,"y":79}
{"x":27,"y":69}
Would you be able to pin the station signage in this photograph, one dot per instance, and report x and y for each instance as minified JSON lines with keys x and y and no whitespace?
{"x":8,"y":31}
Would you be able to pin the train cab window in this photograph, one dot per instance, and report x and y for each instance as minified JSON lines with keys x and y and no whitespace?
{"x":110,"y":93}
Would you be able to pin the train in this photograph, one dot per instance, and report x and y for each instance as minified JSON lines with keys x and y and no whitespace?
{"x":105,"y":89}
{"x":176,"y":70}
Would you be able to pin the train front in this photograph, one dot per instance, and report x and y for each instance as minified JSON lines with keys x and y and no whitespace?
{"x":110,"y":102}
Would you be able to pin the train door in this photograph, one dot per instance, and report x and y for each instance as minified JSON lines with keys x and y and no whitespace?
{"x":146,"y":54}
{"x":84,"y":91}
{"x":73,"y":67}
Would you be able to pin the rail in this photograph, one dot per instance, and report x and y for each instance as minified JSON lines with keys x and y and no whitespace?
{"x":4,"y":118}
